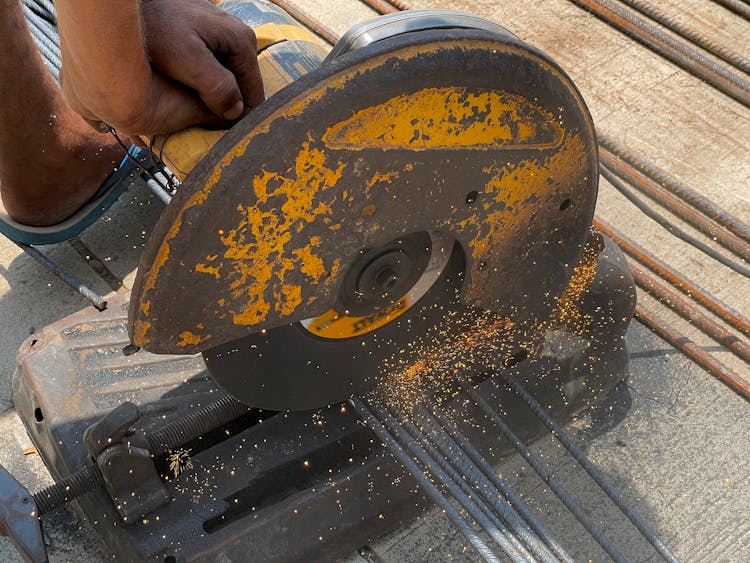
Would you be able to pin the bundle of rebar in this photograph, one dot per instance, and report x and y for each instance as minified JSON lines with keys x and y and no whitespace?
{"x":477,"y":500}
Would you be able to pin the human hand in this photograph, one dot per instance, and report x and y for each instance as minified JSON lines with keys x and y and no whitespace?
{"x":157,"y":66}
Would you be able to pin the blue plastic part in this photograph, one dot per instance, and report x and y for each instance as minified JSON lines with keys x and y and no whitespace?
{"x":100,"y":202}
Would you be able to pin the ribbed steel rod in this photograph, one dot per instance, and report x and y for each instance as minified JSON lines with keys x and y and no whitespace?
{"x":709,"y":301}
{"x":47,"y":46}
{"x":565,"y":439}
{"x":545,"y":474}
{"x":710,"y":209}
{"x":381,"y":6}
{"x":739,"y":8}
{"x":400,"y":4}
{"x":693,"y":351}
{"x":432,"y":491}
{"x":465,"y":445}
{"x":94,"y":298}
{"x":308,"y":21}
{"x":514,"y":549}
{"x":675,"y":205}
{"x":44,"y":8}
{"x":471,"y":488}
{"x":44,"y":27}
{"x":647,"y":210}
{"x":690,"y":312}
{"x":521,"y":526}
{"x":677,"y":51}
{"x":481,"y":487}
{"x":720,"y":51}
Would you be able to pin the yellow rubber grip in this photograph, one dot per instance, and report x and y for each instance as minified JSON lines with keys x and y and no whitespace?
{"x":182,"y":150}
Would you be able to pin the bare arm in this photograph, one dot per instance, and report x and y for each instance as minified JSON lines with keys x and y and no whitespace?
{"x":156,"y":66}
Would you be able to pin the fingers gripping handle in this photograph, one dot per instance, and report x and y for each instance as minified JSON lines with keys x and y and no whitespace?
{"x":278,"y":46}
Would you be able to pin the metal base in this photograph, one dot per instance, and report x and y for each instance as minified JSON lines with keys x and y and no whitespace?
{"x":309,"y":485}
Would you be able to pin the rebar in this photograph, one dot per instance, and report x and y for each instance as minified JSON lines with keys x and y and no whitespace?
{"x":159,"y":191}
{"x":690,"y":312}
{"x":432,"y":491}
{"x":620,"y":186}
{"x":465,"y":446}
{"x":499,"y":515}
{"x":565,"y":439}
{"x":675,"y":205}
{"x":736,"y":6}
{"x":45,"y":39}
{"x":720,"y":51}
{"x":451,"y":450}
{"x":693,"y":351}
{"x":94,"y":298}
{"x":677,"y":51}
{"x":381,"y":6}
{"x":708,"y":208}
{"x":400,"y":4}
{"x":676,"y":279}
{"x":545,"y":474}
{"x":314,"y":25}
{"x":44,"y":8}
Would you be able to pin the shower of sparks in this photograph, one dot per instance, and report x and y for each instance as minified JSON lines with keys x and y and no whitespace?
{"x":179,"y":461}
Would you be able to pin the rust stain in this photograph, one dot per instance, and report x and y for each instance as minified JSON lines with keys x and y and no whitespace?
{"x":454,"y":117}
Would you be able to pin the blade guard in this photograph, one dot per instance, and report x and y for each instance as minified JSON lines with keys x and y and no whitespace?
{"x":464,"y":132}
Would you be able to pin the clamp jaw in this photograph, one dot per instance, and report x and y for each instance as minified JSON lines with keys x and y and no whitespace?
{"x":19,"y":519}
{"x":123,"y":457}
{"x":123,"y":464}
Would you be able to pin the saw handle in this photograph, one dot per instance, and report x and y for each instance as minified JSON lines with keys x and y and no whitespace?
{"x":285,"y":52}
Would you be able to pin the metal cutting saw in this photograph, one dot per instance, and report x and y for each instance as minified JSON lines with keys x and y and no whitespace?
{"x":418,"y":199}
{"x":431,"y":166}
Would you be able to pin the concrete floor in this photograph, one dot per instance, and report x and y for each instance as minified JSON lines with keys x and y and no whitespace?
{"x":674,"y":439}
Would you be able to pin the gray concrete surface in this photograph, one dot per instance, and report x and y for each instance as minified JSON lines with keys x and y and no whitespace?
{"x":675,"y":440}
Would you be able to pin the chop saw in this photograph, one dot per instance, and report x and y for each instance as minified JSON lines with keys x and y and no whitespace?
{"x":416,"y":200}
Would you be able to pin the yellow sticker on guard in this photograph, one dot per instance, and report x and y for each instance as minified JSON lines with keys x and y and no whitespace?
{"x":332,"y":324}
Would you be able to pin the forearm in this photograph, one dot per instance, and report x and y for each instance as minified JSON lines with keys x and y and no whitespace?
{"x":94,"y":34}
{"x":156,"y":66}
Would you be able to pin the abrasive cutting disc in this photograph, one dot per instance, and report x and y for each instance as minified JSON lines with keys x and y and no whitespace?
{"x":388,"y":300}
{"x":463,"y":135}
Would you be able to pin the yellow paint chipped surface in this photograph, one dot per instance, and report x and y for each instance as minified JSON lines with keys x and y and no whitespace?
{"x":187,"y":338}
{"x":334,"y":325}
{"x":437,"y":118}
{"x":513,"y":185}
{"x":257,"y":247}
{"x":205,"y":269}
{"x":237,"y":241}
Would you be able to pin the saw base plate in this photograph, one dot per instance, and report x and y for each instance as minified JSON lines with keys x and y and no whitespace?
{"x":309,"y":485}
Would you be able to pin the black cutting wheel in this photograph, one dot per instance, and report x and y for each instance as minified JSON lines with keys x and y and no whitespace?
{"x":391,"y":294}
